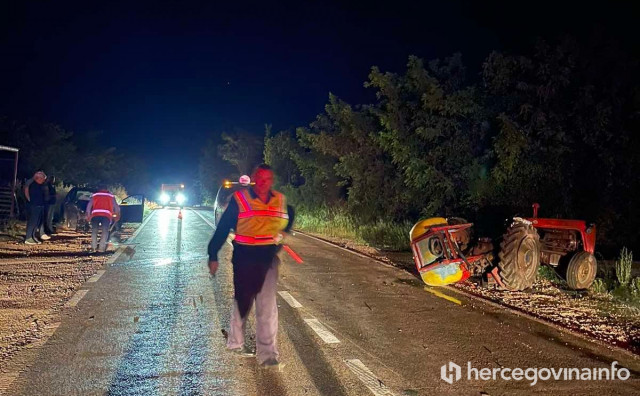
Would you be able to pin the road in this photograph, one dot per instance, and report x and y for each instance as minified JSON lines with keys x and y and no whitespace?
{"x":151,"y":324}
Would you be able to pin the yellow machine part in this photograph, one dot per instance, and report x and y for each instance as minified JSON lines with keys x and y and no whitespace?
{"x":443,"y":275}
{"x":421,"y":227}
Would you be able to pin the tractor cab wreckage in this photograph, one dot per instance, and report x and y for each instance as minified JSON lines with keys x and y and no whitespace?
{"x":444,"y":253}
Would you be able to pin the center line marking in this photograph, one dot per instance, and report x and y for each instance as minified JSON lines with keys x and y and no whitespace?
{"x":203,"y":218}
{"x":322,"y":331}
{"x":76,"y":298}
{"x":442,"y":295}
{"x":97,"y":276}
{"x":290,"y":299}
{"x":365,"y":375}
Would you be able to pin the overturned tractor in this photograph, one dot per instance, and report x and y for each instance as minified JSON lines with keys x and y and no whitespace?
{"x":444,"y":253}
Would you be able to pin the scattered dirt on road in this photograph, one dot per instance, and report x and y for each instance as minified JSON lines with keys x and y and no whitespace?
{"x":596,"y":315}
{"x":36,"y":281}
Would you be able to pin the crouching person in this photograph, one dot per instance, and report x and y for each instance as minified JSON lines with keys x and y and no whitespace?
{"x":101,"y":211}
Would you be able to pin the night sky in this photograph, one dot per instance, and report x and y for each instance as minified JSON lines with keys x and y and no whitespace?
{"x":158,"y":78}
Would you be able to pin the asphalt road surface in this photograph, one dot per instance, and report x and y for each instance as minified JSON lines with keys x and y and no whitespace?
{"x":151,"y":324}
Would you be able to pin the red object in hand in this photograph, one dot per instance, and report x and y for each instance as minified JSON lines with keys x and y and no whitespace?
{"x":293,"y":254}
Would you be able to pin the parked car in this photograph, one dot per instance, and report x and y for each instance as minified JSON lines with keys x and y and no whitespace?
{"x":224,"y":194}
{"x":72,"y":213}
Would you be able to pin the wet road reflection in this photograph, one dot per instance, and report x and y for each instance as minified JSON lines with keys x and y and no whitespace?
{"x":172,"y":320}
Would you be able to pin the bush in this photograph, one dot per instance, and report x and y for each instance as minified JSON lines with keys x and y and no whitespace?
{"x":635,"y":286}
{"x":337,"y":222}
{"x":599,"y":286}
{"x":623,"y":266}
{"x":148,"y":207}
{"x":386,"y":234}
{"x":330,"y":222}
{"x":119,"y":191}
{"x":548,"y":273}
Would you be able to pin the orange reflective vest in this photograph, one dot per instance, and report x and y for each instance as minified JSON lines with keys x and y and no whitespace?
{"x":102,"y":204}
{"x":260,"y":223}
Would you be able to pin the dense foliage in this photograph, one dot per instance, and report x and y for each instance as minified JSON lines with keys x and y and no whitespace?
{"x":558,"y":127}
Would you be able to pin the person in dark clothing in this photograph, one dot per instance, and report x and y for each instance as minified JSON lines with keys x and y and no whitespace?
{"x":259,"y":216}
{"x":34,"y":193}
{"x":49,"y":206}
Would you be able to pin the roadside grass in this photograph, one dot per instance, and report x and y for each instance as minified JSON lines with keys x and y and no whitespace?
{"x":616,"y":285}
{"x":148,"y":207}
{"x":619,"y":285}
{"x":549,"y":274}
{"x":336,"y":222}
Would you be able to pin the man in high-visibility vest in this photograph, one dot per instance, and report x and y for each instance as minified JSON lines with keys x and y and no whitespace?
{"x":102,"y":209}
{"x":259,"y":216}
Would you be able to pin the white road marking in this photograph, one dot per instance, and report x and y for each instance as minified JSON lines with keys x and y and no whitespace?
{"x":365,"y":375}
{"x":203,"y":218}
{"x":289,"y":298}
{"x":322,"y":331}
{"x":76,"y":298}
{"x":115,"y":256}
{"x":144,"y":223}
{"x":97,"y":276}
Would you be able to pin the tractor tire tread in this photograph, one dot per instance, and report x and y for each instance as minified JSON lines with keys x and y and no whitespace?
{"x":512,"y":277}
{"x":572,"y":270}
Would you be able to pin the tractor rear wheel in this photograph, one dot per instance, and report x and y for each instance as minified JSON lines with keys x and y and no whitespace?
{"x":519,"y":256}
{"x":581,"y":270}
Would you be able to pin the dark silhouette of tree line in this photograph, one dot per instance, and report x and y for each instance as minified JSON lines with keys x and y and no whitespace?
{"x":558,"y":127}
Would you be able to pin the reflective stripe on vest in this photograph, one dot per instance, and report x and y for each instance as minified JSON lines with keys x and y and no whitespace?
{"x":102,"y":194}
{"x":247,"y":212}
{"x":94,"y":211}
{"x":248,"y":240}
{"x":260,"y":223}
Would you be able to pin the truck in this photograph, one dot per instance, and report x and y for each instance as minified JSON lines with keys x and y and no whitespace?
{"x":172,"y":195}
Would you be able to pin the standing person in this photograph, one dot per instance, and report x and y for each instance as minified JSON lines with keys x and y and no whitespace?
{"x":258,"y":215}
{"x":34,"y":192}
{"x":100,"y":212}
{"x":49,"y":206}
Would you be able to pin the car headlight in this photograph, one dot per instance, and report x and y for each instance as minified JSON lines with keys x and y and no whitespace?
{"x":164,"y":198}
{"x":180,"y":198}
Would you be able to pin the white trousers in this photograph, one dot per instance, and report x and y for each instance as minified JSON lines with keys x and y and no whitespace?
{"x":266,"y":319}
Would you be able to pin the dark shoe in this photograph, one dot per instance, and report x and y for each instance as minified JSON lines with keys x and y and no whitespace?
{"x":243,"y":352}
{"x":272,"y":363}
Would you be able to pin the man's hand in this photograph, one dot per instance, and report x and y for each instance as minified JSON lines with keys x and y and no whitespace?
{"x":213,"y":267}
